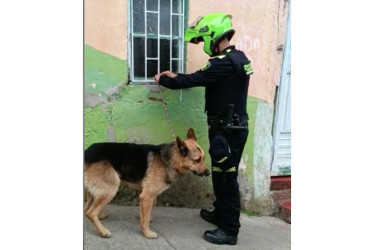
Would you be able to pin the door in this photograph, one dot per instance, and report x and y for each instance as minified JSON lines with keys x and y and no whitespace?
{"x":281,"y":164}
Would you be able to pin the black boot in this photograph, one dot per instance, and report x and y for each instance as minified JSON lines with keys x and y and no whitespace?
{"x":208,"y":216}
{"x":218,"y":236}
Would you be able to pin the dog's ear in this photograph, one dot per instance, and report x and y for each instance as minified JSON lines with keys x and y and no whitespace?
{"x":191,"y":134}
{"x":183,"y":149}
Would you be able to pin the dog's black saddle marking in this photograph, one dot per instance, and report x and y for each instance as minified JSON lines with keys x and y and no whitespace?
{"x":130,"y":160}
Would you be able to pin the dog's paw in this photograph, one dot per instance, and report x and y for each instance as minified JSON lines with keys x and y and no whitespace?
{"x":106,"y":234}
{"x":150,"y":235}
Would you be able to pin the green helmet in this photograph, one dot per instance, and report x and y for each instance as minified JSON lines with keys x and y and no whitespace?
{"x":210,"y":29}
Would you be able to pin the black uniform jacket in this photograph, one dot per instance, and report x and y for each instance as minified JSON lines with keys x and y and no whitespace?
{"x":226,"y":79}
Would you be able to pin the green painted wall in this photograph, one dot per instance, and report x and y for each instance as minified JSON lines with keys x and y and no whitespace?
{"x":102,"y":71}
{"x":136,"y":115}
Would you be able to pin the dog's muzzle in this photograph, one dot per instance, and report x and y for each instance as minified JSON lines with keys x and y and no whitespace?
{"x":206,"y":173}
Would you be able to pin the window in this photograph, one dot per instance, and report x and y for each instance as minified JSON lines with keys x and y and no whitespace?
{"x":156,"y":38}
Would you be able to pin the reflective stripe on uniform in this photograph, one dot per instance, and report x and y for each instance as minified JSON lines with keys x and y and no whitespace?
{"x":217,"y":169}
{"x":232,"y":169}
{"x":223,"y":159}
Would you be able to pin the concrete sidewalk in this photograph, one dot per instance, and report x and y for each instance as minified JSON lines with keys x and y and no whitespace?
{"x":182,"y":229}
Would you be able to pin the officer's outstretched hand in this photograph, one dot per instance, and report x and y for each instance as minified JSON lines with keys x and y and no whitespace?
{"x":165,"y":73}
{"x":169,"y":74}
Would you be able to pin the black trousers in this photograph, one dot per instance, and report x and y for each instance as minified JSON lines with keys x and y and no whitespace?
{"x":225,"y":183}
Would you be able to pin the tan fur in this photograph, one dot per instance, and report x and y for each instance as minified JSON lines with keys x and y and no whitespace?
{"x":101,"y":182}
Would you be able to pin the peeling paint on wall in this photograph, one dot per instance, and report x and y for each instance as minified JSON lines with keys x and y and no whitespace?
{"x":245,"y":177}
{"x":262,"y":155}
{"x":95,"y":125}
{"x":262,"y":149}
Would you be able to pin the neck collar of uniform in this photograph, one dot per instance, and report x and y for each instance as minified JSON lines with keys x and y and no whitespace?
{"x":228,"y":49}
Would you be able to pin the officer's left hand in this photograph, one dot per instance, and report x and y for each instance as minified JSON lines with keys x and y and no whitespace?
{"x":157,"y":77}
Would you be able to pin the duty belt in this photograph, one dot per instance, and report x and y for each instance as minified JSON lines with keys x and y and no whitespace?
{"x":223,"y":118}
{"x":223,"y":122}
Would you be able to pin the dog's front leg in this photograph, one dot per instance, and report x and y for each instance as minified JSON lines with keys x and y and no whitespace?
{"x":146,"y":204}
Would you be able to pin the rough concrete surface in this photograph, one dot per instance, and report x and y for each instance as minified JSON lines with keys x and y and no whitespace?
{"x":181,"y":229}
{"x":91,"y":100}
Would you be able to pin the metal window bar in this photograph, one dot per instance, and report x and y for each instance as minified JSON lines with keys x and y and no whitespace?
{"x":158,"y":37}
{"x":179,"y":38}
{"x":130,"y":47}
{"x":181,"y":29}
{"x":147,"y":59}
{"x":171,"y":39}
{"x":145,"y":40}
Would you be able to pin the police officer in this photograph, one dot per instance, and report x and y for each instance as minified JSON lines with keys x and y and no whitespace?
{"x":226,"y":79}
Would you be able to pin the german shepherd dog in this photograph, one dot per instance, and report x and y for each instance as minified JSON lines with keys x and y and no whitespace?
{"x":151,"y":169}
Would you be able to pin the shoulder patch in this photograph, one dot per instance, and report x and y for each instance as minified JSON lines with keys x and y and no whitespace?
{"x":248,"y":68}
{"x":206,"y":66}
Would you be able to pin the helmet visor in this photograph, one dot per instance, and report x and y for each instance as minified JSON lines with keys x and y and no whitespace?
{"x":194,"y":23}
{"x":193,"y":34}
